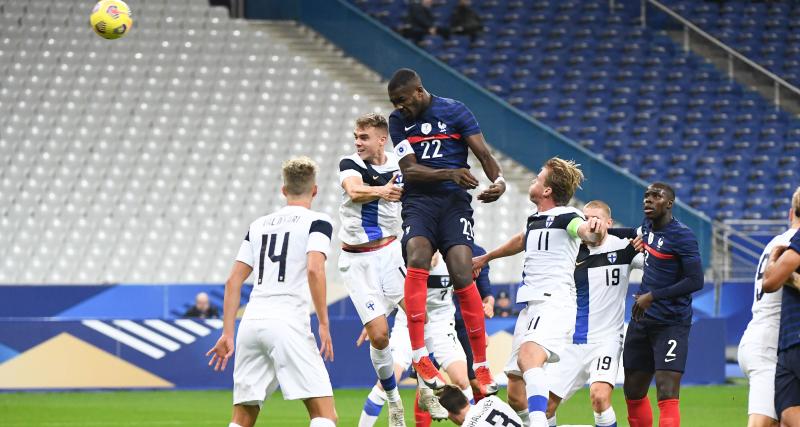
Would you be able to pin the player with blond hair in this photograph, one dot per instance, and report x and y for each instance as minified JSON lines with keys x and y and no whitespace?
{"x":275,"y":347}
{"x":551,"y":241}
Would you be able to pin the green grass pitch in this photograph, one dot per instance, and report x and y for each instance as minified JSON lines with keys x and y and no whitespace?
{"x":700,"y":406}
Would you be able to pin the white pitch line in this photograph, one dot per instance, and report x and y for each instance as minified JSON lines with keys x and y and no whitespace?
{"x":124,"y":338}
{"x":167,"y":329}
{"x":147,"y":334}
{"x":193,"y":326}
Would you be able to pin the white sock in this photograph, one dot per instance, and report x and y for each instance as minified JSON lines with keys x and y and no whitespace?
{"x":234,"y":425}
{"x":537,"y":390}
{"x":372,"y":407}
{"x":551,"y":422}
{"x":606,"y":418}
{"x":470,"y":397}
{"x":384,"y":367}
{"x":419,"y":353}
{"x":322,"y":422}
{"x":526,"y":419}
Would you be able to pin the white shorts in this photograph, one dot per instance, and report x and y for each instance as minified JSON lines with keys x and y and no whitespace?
{"x":547,"y":323}
{"x":441,"y":339}
{"x":274,"y":352}
{"x":400,"y":341}
{"x":758,"y":364}
{"x":374,"y":280}
{"x":582,"y":363}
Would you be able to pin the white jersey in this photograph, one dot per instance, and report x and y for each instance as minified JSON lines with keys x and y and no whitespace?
{"x":276,"y":246}
{"x":764,"y":327}
{"x":601,"y":281}
{"x":365,"y":222}
{"x":491,"y":412}
{"x":440,"y":294}
{"x":550,"y":254}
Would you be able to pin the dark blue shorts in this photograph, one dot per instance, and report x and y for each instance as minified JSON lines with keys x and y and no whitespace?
{"x":787,"y":380}
{"x":444,"y":219}
{"x":652,"y":346}
{"x":463,"y":338}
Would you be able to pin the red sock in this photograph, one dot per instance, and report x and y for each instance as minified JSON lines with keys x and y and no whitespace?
{"x":422,"y":418}
{"x":416,"y":294}
{"x":476,"y":394}
{"x":640,"y":414}
{"x":670,"y":413}
{"x":472,"y":311}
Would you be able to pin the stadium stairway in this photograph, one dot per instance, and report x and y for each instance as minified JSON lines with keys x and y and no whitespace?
{"x":142,"y":160}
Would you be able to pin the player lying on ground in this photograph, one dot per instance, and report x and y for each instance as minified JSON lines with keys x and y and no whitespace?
{"x":758,"y":348}
{"x":545,"y":327}
{"x":489,"y":412}
{"x":371,"y":261}
{"x":432,"y":137}
{"x":602,"y":270}
{"x":275,"y":346}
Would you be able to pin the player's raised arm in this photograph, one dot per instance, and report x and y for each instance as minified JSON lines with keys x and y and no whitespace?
{"x":782,"y":264}
{"x":513,"y":246}
{"x":592,"y":230}
{"x":477,"y":144}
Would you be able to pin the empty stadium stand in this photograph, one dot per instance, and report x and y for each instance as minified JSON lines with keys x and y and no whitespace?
{"x":631,"y":95}
{"x":142,"y":160}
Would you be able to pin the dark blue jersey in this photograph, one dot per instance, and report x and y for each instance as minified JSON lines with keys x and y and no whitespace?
{"x":436,"y":138}
{"x":790,"y":308}
{"x":672,"y":271}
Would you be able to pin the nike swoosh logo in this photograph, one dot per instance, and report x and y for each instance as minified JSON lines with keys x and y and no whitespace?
{"x":474,"y":330}
{"x":579,"y":263}
{"x":375,"y":178}
{"x":666,"y":359}
{"x":414,"y":316}
{"x":410,"y":127}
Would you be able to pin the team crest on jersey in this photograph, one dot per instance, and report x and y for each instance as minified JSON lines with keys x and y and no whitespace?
{"x":660,"y":241}
{"x":549,"y":221}
{"x":445,"y":281}
{"x":612,"y":257}
{"x":442,"y":126}
{"x":426,"y":128}
{"x":649,"y":238}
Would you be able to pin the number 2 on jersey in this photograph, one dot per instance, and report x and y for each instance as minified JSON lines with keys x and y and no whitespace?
{"x":279,"y":258}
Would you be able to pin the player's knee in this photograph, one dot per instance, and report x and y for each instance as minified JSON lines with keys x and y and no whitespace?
{"x":666,"y":390}
{"x":461,"y":279}
{"x":380,"y":340}
{"x":600,"y":398}
{"x":419,"y":259}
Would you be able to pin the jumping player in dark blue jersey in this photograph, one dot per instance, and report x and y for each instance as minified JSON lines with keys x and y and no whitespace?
{"x":784,"y":263}
{"x":657,"y":340}
{"x":432,"y":136}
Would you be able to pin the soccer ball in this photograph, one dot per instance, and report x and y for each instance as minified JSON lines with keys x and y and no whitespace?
{"x":111,"y":19}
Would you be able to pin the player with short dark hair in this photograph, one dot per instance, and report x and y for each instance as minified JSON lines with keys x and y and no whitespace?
{"x":781,"y":272}
{"x":489,"y":412}
{"x":657,"y":340}
{"x":432,"y":137}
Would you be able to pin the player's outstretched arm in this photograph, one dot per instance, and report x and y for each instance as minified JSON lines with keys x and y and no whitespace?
{"x":591,"y":230}
{"x":514,"y":246}
{"x":477,"y":144}
{"x":358,"y":192}
{"x":223,"y":349}
{"x":782,"y":263}
{"x":317,"y":286}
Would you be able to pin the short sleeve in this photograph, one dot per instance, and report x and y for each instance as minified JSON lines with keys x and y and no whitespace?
{"x":245,"y":254}
{"x":347,"y":169}
{"x":319,"y":236}
{"x":794,"y":243}
{"x":466,"y":123}
{"x":396,"y":131}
